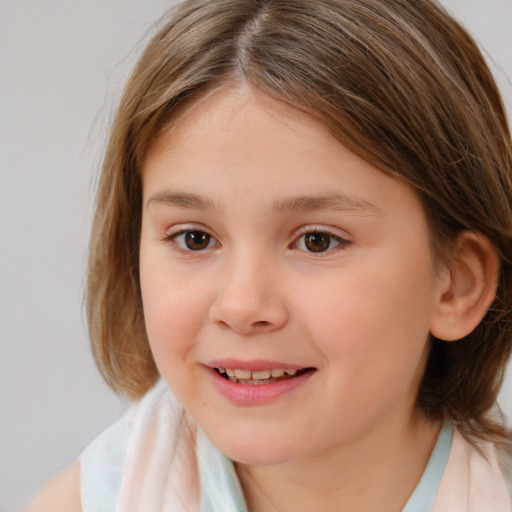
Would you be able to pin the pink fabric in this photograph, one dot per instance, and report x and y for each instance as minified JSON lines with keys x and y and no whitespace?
{"x":472,"y":482}
{"x":161,"y":468}
{"x":161,"y":472}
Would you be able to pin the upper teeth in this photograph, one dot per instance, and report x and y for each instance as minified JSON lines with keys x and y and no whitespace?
{"x":261,"y":375}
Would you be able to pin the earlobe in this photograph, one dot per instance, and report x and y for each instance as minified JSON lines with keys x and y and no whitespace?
{"x":469,"y":288}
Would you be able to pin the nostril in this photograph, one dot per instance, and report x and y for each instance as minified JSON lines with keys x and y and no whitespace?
{"x":261,"y":323}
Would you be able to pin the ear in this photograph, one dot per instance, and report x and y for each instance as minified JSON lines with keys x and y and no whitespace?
{"x":467,"y":289}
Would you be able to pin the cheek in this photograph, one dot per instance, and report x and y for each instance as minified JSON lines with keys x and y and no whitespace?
{"x":168,"y":319}
{"x":173,"y":313}
{"x":376,"y":322}
{"x":172,"y":324}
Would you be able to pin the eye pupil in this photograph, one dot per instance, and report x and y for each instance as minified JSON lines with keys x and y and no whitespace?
{"x":197,"y":240}
{"x":317,"y":242}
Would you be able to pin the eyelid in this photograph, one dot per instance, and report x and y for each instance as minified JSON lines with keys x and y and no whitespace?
{"x":320,"y":228}
{"x":173,"y":233}
{"x":343,"y":239}
{"x":187,"y":226}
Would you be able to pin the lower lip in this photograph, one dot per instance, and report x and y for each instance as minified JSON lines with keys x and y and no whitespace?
{"x":257,"y":394}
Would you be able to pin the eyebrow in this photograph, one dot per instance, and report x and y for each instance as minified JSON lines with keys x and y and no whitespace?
{"x":329,"y":202}
{"x":182,"y":200}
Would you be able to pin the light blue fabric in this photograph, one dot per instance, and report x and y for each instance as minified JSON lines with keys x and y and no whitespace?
{"x":424,"y":495}
{"x":221,"y":491}
{"x":220,"y":488}
{"x":102,"y":468}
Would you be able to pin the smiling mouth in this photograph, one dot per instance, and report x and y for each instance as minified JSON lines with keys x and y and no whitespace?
{"x":256,"y":378}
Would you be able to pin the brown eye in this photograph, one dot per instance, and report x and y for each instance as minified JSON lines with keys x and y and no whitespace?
{"x":317,"y":242}
{"x":196,"y":240}
{"x":188,"y":240}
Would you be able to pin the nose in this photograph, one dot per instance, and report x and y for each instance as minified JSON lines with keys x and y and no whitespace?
{"x":250,"y":299}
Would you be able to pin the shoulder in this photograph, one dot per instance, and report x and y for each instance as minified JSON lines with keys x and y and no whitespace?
{"x":96,"y":481}
{"x":61,"y":494}
{"x":505,"y":460}
{"x":473,"y":475}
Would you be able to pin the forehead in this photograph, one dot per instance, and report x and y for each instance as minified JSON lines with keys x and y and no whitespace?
{"x":221,"y":111}
{"x":243,"y":141}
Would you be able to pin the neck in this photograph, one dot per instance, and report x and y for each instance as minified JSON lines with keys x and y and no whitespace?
{"x":383,"y":466}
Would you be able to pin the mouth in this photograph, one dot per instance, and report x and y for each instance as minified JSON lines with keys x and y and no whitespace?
{"x":257,"y":382}
{"x":260,"y":377}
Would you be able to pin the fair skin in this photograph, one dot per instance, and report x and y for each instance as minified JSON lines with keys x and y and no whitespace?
{"x":267,"y":243}
{"x":61,"y":494}
{"x":253,"y":181}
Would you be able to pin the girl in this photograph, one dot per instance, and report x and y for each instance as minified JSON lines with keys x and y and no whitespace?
{"x":304,"y":230}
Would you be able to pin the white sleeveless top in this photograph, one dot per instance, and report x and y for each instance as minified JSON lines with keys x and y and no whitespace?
{"x":153,"y":460}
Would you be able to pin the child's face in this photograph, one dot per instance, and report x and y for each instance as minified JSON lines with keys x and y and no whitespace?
{"x":266,"y":245}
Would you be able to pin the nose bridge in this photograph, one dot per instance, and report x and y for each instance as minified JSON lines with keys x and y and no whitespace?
{"x":249,"y":298}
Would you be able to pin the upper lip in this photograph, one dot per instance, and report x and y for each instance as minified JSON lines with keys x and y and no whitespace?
{"x":255,"y":365}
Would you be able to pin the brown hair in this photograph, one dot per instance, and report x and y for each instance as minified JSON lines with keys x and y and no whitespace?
{"x":399,"y":83}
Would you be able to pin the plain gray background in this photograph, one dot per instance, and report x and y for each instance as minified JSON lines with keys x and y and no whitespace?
{"x":62,"y":65}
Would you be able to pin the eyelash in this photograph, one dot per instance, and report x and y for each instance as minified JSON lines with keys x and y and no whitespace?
{"x":318,"y":230}
{"x":172,"y":239}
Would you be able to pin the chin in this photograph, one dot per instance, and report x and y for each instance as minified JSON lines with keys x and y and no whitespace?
{"x":246,"y":450}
